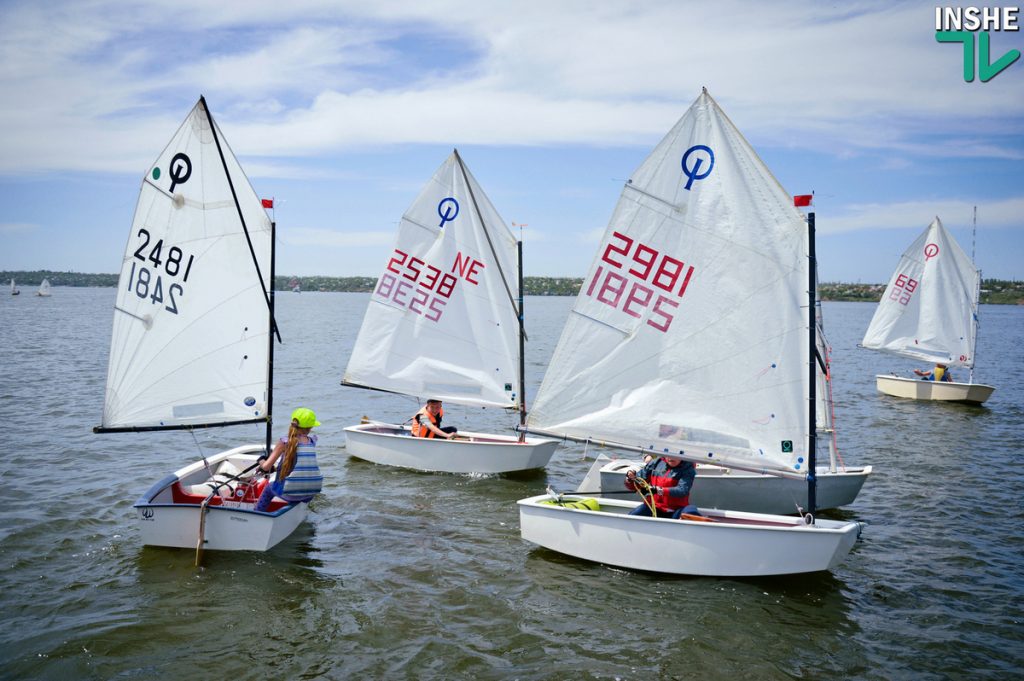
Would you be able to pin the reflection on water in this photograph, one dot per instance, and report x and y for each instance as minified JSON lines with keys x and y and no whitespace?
{"x":418,"y":575}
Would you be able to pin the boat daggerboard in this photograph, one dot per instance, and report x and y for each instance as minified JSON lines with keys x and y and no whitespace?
{"x":929,"y":308}
{"x":690,"y":331}
{"x":442,"y":320}
{"x":191,"y":321}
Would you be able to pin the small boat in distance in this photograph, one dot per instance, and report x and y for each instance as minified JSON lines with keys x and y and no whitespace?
{"x":445,"y":322}
{"x":929,"y":312}
{"x":14,"y":289}
{"x":44,"y":289}
{"x":192,"y":342}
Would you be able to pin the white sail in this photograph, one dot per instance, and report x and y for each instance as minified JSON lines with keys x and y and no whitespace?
{"x":929,"y":309}
{"x":191,"y":321}
{"x":44,"y":288}
{"x":442,"y":321}
{"x":690,"y":333}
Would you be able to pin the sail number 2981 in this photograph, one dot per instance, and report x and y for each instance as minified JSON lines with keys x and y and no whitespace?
{"x":147,"y":280}
{"x":634,"y":277}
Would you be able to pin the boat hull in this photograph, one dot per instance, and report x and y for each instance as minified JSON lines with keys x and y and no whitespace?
{"x":169,"y":516}
{"x":915,"y":389}
{"x":393,"y":445}
{"x":735,"y":544}
{"x":717,"y":487}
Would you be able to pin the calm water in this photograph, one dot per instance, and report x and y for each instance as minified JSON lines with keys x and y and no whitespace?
{"x":407,"y":575}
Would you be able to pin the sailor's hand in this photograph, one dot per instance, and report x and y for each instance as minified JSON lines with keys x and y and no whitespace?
{"x":450,"y":436}
{"x":630,"y":474}
{"x":655,"y":490}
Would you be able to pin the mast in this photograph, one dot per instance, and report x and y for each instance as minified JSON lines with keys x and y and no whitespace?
{"x":977,"y":297}
{"x":812,"y":368}
{"x":270,"y":338}
{"x":522,"y":349}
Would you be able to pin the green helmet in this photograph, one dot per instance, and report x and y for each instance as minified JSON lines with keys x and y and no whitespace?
{"x":306,"y":418}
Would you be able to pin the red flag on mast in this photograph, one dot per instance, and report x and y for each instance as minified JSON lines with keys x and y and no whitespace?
{"x":268,"y":203}
{"x":803,"y":199}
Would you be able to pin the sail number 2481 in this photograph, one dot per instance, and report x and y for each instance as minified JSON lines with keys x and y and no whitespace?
{"x":146,"y":280}
{"x":634,"y":278}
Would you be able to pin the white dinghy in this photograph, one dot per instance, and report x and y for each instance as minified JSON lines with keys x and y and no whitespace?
{"x":718,"y":487}
{"x":192,"y":342}
{"x":445,"y":322}
{"x":693,"y":335}
{"x":929,"y":312}
{"x":44,"y":289}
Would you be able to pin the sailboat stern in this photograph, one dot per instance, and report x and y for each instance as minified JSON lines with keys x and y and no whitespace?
{"x":171,"y":513}
{"x":938,"y":391}
{"x":484,"y":453}
{"x":728,"y":544}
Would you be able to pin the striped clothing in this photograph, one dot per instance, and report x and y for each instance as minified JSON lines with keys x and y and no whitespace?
{"x":305,"y":480}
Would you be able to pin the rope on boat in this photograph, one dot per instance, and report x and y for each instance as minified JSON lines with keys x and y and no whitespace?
{"x":643,"y":488}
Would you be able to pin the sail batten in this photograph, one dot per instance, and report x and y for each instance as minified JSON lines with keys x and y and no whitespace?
{"x":191,"y":322}
{"x":929,"y":308}
{"x":689,"y":333}
{"x":442,"y":322}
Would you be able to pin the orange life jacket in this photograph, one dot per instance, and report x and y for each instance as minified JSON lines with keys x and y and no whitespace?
{"x":423,"y":431}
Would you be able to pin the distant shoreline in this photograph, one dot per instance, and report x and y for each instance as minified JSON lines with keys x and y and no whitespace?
{"x":993,"y":291}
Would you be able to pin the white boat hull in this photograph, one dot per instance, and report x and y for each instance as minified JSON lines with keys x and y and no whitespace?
{"x":393,"y":445}
{"x":915,"y":389}
{"x":168,"y":516}
{"x":717,"y":487}
{"x":737,"y":545}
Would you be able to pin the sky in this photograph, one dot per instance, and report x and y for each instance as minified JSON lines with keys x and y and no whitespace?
{"x":342,"y":110}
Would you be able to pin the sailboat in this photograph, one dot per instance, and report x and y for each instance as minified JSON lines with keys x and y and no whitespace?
{"x":929,"y":311}
{"x":192,"y":341}
{"x":14,"y":289}
{"x":44,"y":289}
{"x":445,"y":322}
{"x":693,"y":335}
{"x":718,"y":487}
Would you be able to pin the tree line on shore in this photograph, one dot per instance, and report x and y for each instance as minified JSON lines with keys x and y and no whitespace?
{"x":993,"y":291}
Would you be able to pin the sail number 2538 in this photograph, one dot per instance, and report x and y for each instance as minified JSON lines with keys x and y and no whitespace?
{"x":147,"y":280}
{"x":635,"y":278}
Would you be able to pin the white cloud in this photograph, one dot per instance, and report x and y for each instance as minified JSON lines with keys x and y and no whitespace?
{"x":1002,"y":214}
{"x":17,"y":227}
{"x":308,"y":78}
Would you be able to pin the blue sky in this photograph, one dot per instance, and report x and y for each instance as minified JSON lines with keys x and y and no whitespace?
{"x":342,"y":110}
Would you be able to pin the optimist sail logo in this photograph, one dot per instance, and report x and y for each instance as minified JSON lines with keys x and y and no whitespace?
{"x":961,"y":24}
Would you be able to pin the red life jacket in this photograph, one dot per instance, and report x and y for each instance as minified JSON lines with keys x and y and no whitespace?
{"x":663,"y":502}
{"x":423,"y":431}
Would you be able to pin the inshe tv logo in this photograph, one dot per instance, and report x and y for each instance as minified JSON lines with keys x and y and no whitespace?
{"x":959,"y":24}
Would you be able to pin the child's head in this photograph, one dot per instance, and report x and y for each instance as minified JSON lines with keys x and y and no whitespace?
{"x":304,"y":418}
